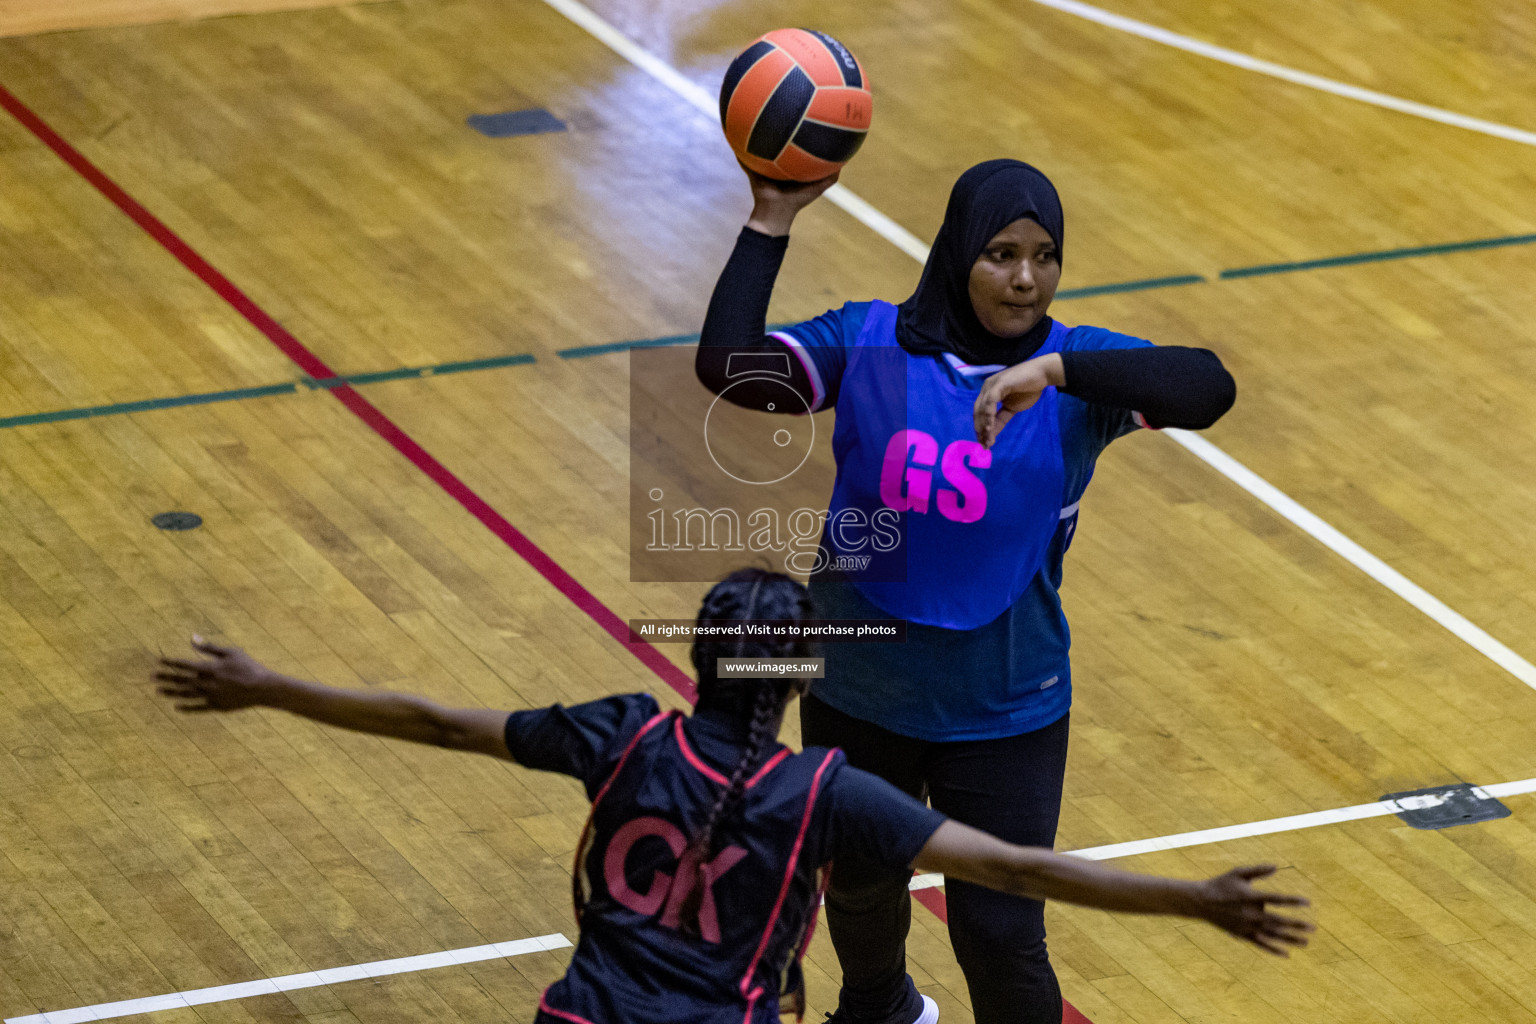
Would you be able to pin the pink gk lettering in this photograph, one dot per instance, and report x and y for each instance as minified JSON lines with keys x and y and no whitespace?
{"x":663,"y":889}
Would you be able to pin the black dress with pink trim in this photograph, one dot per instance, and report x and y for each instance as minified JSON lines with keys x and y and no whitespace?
{"x":652,"y":777}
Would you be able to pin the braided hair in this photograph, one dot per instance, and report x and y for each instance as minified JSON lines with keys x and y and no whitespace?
{"x":755,"y":595}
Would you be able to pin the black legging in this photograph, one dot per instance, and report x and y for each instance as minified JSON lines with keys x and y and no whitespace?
{"x":1009,"y":787}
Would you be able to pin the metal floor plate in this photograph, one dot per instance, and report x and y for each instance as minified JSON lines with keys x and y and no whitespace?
{"x":1443,"y":806}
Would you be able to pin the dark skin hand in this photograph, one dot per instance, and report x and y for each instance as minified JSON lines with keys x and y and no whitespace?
{"x":776,"y":204}
{"x":1233,"y":905}
{"x":1011,"y":391}
{"x":1229,"y":901}
{"x":228,"y":679}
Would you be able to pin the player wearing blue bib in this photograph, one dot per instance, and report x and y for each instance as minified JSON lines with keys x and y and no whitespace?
{"x":973,"y":420}
{"x":698,"y":873}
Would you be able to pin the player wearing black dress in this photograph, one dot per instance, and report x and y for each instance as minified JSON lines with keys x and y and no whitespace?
{"x":698,"y":874}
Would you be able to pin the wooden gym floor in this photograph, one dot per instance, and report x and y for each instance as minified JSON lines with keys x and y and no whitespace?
{"x":1229,"y":667}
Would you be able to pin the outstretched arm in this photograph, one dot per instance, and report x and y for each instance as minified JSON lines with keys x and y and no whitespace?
{"x":1228,"y":901}
{"x":227,"y":679}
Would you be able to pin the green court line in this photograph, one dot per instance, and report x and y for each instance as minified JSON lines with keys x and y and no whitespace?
{"x":1380,"y":255}
{"x":147,"y":405}
{"x":479,"y":364}
{"x":209,"y":397}
{"x":1130,"y":286}
{"x":330,"y":383}
{"x":584,"y":351}
{"x":623,"y":346}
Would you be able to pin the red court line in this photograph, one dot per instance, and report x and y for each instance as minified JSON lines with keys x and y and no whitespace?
{"x":385,"y":427}
{"x":382,"y":425}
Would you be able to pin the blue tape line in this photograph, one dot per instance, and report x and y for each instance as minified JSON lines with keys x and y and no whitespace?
{"x":624,"y":346}
{"x":312,"y":383}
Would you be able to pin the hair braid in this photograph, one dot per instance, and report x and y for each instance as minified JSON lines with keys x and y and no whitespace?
{"x":772,"y":695}
{"x":782,"y":599}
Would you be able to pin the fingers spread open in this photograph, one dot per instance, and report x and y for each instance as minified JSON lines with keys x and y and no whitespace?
{"x":1253,"y":871}
{"x":209,"y":648}
{"x":1269,"y":946}
{"x":1288,"y":925}
{"x":1286,"y":900}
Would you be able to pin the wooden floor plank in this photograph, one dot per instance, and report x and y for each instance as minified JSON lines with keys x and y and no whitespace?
{"x":1228,"y":668}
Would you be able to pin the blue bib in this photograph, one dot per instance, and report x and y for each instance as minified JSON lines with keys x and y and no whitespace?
{"x":930,"y":526}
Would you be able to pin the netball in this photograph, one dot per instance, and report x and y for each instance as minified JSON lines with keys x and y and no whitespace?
{"x":795,"y":105}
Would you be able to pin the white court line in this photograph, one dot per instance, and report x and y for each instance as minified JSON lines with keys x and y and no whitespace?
{"x":1223,"y":463}
{"x":1227,"y":833}
{"x":1357,"y":556}
{"x":541,"y":943}
{"x":292,"y":982}
{"x":1264,"y":67}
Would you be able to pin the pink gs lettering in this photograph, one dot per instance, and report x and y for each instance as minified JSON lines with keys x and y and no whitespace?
{"x":968,"y":501}
{"x":902,"y":487}
{"x":905,"y":487}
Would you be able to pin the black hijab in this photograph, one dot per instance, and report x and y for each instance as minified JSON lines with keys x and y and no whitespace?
{"x":939,"y":316}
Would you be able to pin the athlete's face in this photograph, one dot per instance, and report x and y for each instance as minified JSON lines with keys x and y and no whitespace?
{"x":1015,"y":278}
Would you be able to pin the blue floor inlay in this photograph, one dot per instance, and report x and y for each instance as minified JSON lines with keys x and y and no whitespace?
{"x":516,"y":122}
